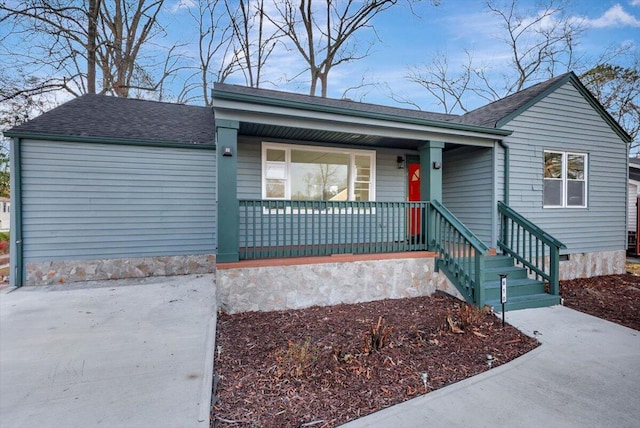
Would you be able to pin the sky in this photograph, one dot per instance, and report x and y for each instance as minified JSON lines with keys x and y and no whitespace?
{"x":411,"y":38}
{"x":406,"y":38}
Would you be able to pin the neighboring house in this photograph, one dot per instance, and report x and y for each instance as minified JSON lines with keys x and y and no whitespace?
{"x":632,"y":216}
{"x":5,"y":216}
{"x":306,"y":200}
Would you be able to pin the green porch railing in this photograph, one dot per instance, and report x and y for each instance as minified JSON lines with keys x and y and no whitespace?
{"x":285,"y":228}
{"x":531,"y":246}
{"x":460,"y":253}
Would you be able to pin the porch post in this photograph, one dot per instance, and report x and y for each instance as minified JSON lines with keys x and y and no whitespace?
{"x":228,"y":211}
{"x":431,"y":181}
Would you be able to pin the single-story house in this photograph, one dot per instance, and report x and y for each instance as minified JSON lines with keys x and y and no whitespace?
{"x":295,"y":200}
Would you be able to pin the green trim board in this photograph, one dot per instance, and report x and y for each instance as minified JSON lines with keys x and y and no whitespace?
{"x":121,"y":141}
{"x":575,"y":81}
{"x":221,"y":94}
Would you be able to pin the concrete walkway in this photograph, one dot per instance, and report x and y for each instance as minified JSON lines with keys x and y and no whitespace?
{"x":113,"y":355}
{"x":586,"y":373}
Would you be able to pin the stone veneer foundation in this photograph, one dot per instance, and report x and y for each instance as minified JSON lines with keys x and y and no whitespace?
{"x":586,"y":265}
{"x":67,"y":271}
{"x":296,"y":286}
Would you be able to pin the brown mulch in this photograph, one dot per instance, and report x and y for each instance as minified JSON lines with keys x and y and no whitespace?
{"x":614,"y":298}
{"x":320,"y":367}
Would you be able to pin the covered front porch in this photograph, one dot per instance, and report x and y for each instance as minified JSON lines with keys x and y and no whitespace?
{"x":386,"y":195}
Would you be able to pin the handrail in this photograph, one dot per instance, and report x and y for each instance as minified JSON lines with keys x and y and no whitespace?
{"x":460,"y":252}
{"x":530,"y":246}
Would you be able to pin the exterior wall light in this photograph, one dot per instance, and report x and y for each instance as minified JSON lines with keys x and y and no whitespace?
{"x":227,"y":151}
{"x":401,"y":162}
{"x":437,"y":165}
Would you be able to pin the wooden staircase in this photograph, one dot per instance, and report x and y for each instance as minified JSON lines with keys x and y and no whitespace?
{"x":522,"y":291}
{"x":530,"y":259}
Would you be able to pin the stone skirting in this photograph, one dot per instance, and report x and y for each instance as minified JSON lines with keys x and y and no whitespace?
{"x":586,"y":265}
{"x":268,"y":288}
{"x":67,"y":271}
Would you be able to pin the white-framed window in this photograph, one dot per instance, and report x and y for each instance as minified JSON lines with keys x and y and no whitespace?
{"x":309,"y":173}
{"x":565,"y":179}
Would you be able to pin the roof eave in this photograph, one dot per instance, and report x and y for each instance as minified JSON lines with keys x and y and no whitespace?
{"x":107,"y":140}
{"x":308,"y":106}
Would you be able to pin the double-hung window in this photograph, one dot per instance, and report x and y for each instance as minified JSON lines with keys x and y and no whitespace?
{"x":317,"y":173}
{"x":565,"y":180}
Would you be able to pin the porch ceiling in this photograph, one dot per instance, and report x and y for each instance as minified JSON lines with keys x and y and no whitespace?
{"x":325,"y":136}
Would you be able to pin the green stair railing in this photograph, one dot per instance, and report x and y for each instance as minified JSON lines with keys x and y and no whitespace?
{"x":285,"y":228}
{"x":531,"y":246}
{"x":460,"y":253}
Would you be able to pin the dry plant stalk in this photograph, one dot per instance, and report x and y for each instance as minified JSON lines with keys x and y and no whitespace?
{"x":377,"y":336}
{"x":470,"y":315}
{"x":297,"y":359}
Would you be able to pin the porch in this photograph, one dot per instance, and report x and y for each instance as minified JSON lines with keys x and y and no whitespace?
{"x":305,"y":177}
{"x":295,"y":254}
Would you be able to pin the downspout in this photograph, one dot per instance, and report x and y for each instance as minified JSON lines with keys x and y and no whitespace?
{"x":505,"y":196}
{"x":505,"y":146}
{"x":15,"y":262}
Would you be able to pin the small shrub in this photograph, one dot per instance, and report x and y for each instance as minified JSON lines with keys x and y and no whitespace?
{"x":297,"y":359}
{"x":377,"y":336}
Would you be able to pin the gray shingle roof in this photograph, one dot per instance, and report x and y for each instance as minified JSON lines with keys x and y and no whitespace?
{"x":337,"y":103}
{"x":494,"y":112}
{"x":102,"y":116}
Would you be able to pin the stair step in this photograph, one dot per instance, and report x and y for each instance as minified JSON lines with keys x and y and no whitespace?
{"x":498,"y":261}
{"x":512,"y":272}
{"x":540,"y":300}
{"x":515,"y":287}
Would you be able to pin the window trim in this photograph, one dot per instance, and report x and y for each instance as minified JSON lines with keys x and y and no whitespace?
{"x":565,"y":180}
{"x":351,"y":180}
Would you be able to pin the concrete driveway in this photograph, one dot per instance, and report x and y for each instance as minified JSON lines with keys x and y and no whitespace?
{"x":135,"y":353}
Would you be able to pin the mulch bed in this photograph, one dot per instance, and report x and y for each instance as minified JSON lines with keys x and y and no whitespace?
{"x":325,"y":366}
{"x":614,"y":298}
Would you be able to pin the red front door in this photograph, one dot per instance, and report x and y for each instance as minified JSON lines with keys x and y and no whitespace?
{"x":415,"y":214}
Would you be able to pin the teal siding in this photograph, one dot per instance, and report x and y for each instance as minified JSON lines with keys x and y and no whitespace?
{"x":467,"y":188}
{"x":95,"y":201}
{"x":565,"y":121}
{"x":390,"y":187}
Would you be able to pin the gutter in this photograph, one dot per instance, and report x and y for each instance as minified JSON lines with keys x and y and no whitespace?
{"x":108,"y":140}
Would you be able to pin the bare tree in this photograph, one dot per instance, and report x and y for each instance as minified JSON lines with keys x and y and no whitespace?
{"x":618,"y":90}
{"x":541,"y":44}
{"x":254,"y":41}
{"x":438,"y":80}
{"x":74,"y":44}
{"x":216,"y":59}
{"x":325,"y":35}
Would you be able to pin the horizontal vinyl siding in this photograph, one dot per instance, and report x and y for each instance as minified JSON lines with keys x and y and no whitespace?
{"x":565,"y":121}
{"x":467,"y":188}
{"x":99,"y":201}
{"x":390,"y":187}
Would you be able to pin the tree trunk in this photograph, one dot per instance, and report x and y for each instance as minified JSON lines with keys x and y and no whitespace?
{"x":94,"y":8}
